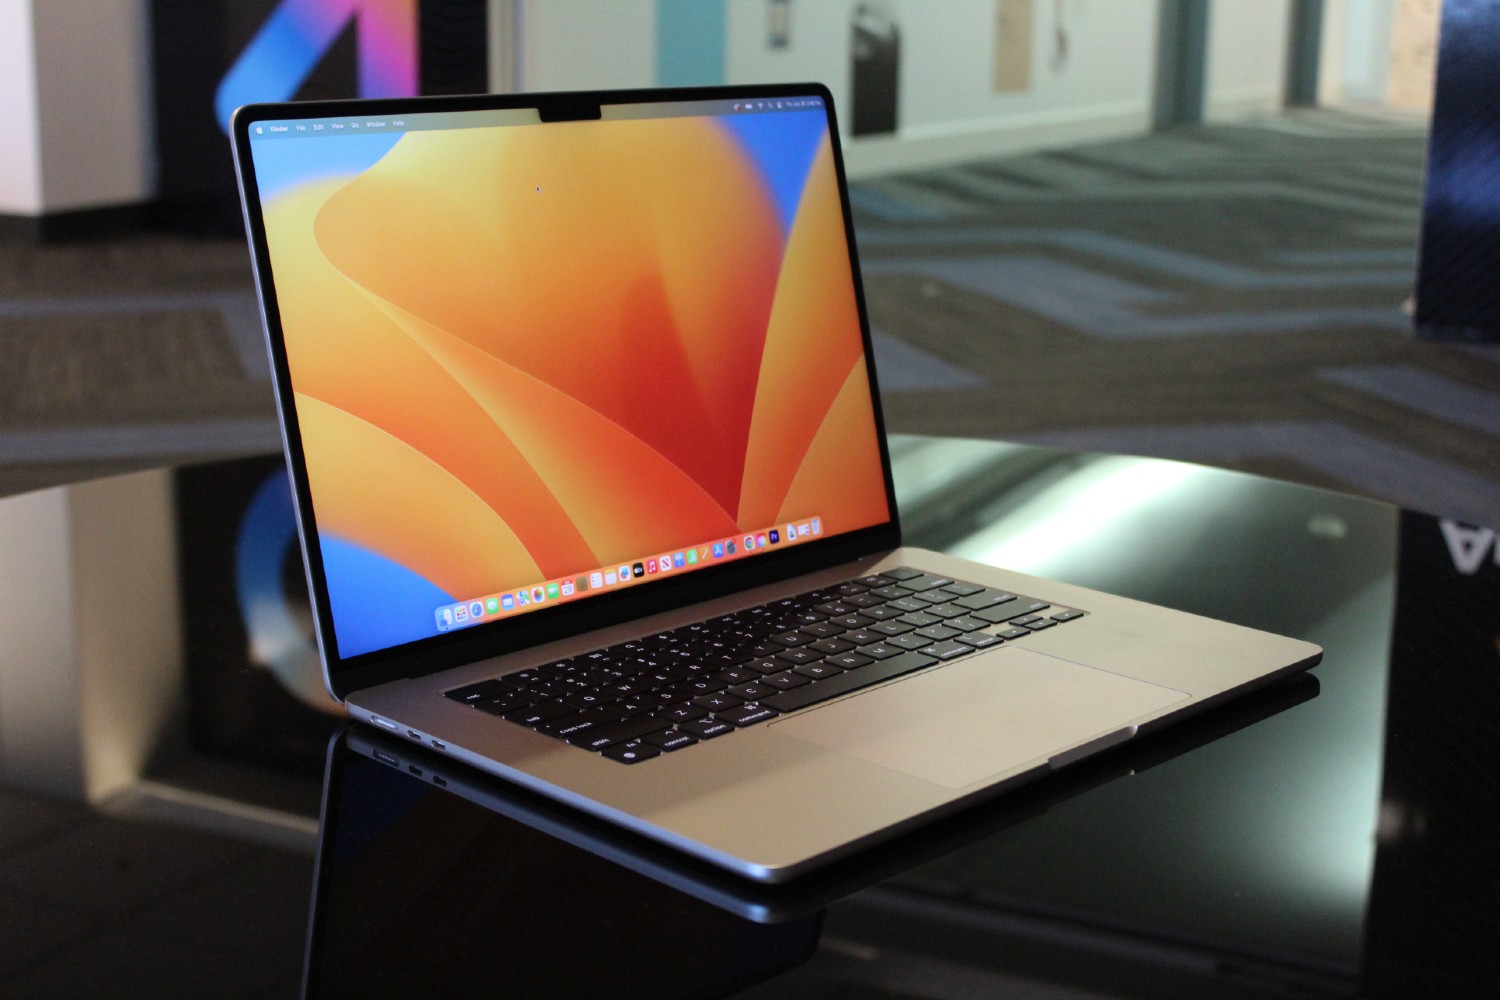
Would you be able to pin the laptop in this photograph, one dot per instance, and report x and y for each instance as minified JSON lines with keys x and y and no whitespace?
{"x":592,"y":486}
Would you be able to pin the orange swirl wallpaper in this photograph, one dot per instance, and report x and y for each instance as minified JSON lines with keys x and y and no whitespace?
{"x":525,"y":352}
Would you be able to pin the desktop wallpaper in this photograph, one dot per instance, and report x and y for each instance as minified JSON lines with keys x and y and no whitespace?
{"x":524,"y":352}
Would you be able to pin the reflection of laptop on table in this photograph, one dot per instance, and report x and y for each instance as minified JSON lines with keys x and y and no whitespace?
{"x":593,"y":490}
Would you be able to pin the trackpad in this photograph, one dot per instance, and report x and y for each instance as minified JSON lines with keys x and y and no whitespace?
{"x":981,"y":716}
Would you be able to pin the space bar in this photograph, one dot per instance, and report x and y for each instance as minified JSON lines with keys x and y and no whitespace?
{"x":832,"y":687}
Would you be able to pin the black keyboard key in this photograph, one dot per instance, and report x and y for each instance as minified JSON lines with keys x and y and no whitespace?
{"x":863,"y":637}
{"x":920,"y":618}
{"x":817,"y":670}
{"x":600,"y":737}
{"x":909,"y":641}
{"x":797,"y":657}
{"x":1025,"y":620}
{"x":785,"y":681}
{"x":700,"y":685}
{"x":979,"y":640}
{"x":632,"y":753}
{"x":945,"y":610}
{"x":707,"y":729}
{"x":748,"y":715}
{"x":535,"y":715}
{"x":862,"y":601}
{"x":501,"y":705}
{"x":882,"y":613}
{"x":526,"y":678}
{"x":849,"y":661}
{"x":906,"y":604}
{"x":718,"y":702}
{"x":754,"y":691}
{"x":791,"y":639}
{"x":768,"y":665}
{"x":967,"y":624}
{"x":669,"y":740}
{"x":889,"y":629}
{"x":565,"y":726}
{"x":901,"y":573}
{"x":586,"y":699}
{"x":830,"y":646}
{"x":811,"y":694}
{"x":680,"y":713}
{"x":984,"y":599}
{"x":938,"y":633}
{"x":881,"y":650}
{"x":1067,"y":616}
{"x":1040,"y":624}
{"x":962,"y":589}
{"x":925,"y":581}
{"x":822,"y":630}
{"x":1005,"y":612}
{"x":891,"y":593}
{"x":947,"y":650}
{"x":833,"y":608}
{"x":1013,"y":633}
{"x":851,"y":621}
{"x":483,"y":691}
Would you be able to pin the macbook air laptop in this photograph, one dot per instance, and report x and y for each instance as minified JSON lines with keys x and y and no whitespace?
{"x":592,"y":485}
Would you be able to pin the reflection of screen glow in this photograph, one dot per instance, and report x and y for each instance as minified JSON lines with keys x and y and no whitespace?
{"x":267,"y":536}
{"x":1075,"y":513}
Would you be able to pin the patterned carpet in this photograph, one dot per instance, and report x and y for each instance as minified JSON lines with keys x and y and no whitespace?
{"x":1232,"y":295}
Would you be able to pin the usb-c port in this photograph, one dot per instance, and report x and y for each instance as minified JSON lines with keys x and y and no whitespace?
{"x":414,"y":735}
{"x":439,"y":746}
{"x":386,"y":758}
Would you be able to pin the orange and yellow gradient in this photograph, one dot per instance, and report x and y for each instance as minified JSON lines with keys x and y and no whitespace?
{"x":521,"y":353}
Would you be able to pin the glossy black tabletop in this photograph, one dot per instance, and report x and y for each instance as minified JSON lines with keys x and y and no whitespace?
{"x":1331,"y":836}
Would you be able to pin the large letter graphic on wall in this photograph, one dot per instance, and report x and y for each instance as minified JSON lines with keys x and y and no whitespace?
{"x":297,"y":34}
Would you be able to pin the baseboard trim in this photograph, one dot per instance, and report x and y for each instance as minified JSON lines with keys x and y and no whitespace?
{"x":77,"y":224}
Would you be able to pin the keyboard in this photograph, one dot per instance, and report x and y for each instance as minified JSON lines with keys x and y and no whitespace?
{"x":637,"y":700}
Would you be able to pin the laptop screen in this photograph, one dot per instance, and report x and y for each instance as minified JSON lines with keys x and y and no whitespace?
{"x":532,"y":363}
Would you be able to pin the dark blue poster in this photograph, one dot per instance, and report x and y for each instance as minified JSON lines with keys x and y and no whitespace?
{"x":1458,"y":279}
